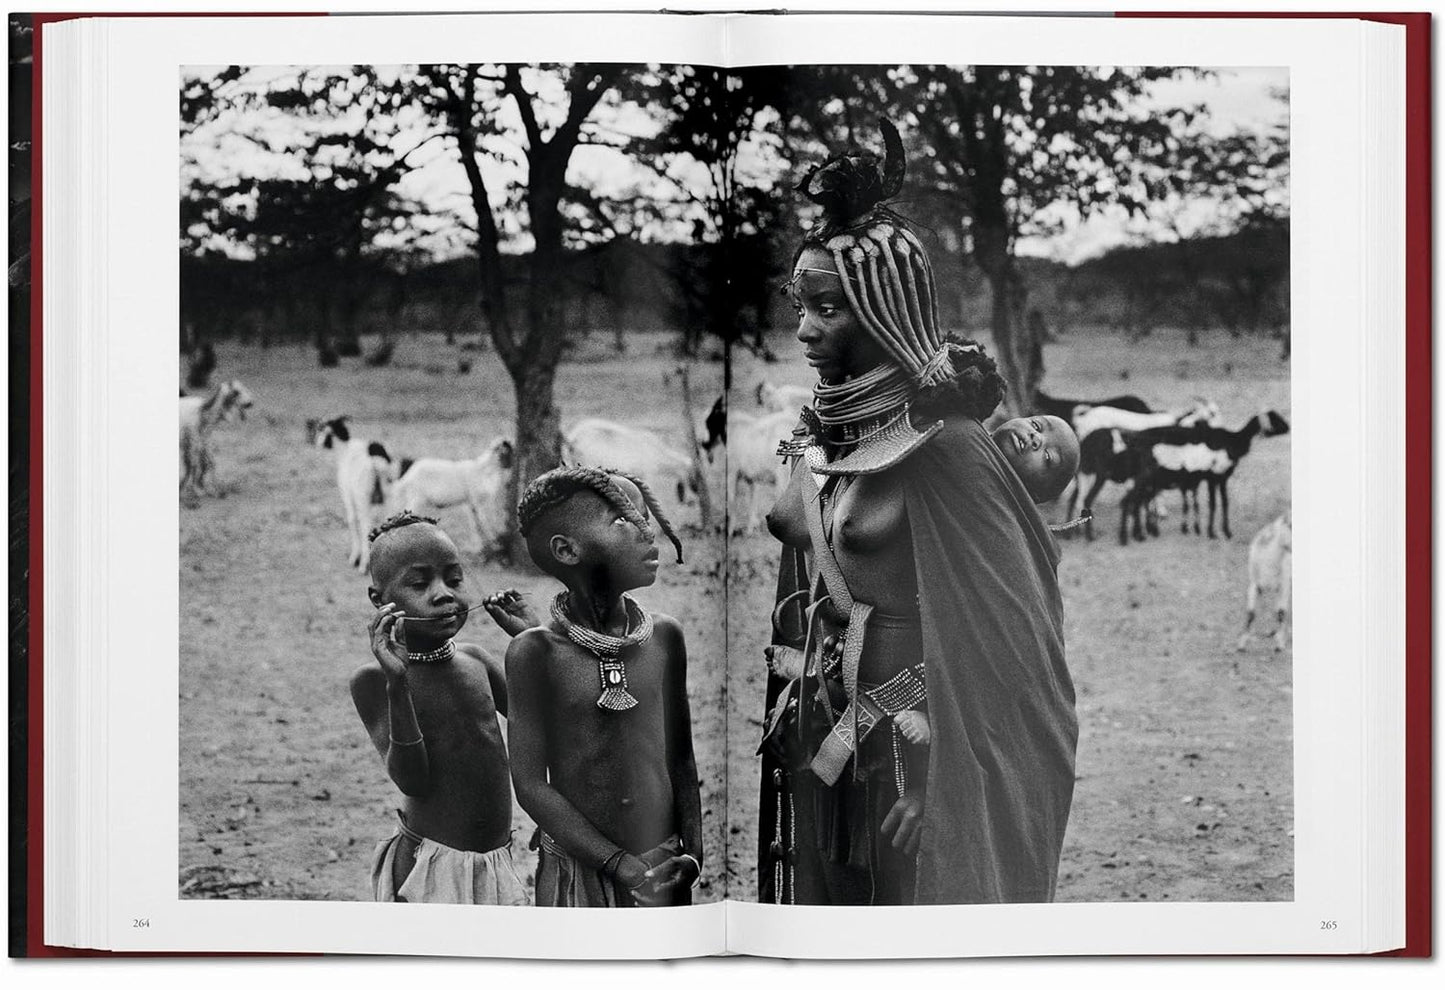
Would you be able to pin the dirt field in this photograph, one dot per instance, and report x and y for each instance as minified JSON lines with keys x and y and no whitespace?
{"x":1184,"y":788}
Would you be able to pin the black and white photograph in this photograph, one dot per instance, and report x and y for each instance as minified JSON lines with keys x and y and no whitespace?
{"x":610,"y":485}
{"x":411,"y":293}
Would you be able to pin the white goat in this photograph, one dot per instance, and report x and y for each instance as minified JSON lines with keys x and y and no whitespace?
{"x":752,"y":460}
{"x":642,"y":453}
{"x":432,"y":484}
{"x":783,"y":398}
{"x":1271,"y":554}
{"x":1087,"y":419}
{"x":364,"y":473}
{"x":198,"y":416}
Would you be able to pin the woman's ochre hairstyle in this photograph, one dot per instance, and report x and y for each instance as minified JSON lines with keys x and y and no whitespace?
{"x":558,"y":485}
{"x":975,"y":390}
{"x":888,"y":280}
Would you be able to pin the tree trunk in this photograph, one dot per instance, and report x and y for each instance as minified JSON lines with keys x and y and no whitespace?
{"x":1018,"y":354}
{"x":537,"y":447}
{"x":533,"y":366}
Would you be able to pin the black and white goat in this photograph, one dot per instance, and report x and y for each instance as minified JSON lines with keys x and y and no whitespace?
{"x":1088,"y":419}
{"x":199,"y":415}
{"x":1103,"y":456}
{"x":364,"y":474}
{"x":1271,"y":563}
{"x":1047,"y":405}
{"x":1183,"y":457}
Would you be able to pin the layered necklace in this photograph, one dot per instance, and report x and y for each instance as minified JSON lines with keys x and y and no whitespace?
{"x":608,"y":649}
{"x":853,"y":410}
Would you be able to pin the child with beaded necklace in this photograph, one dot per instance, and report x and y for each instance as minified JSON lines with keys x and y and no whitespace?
{"x":600,"y":730}
{"x":430,"y":705}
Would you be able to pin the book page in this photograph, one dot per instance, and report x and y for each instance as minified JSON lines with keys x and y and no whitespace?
{"x":373,"y":321}
{"x":1202,"y":811}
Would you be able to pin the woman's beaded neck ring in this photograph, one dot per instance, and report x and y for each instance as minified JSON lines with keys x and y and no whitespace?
{"x":441,"y":654}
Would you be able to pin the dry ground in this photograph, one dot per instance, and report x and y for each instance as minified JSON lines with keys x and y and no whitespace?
{"x":1184,"y":791}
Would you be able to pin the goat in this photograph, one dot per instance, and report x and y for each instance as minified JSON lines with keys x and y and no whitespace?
{"x":642,"y":453}
{"x":753,"y":461}
{"x":1103,"y":460}
{"x":1104,"y":456}
{"x":1087,"y":420}
{"x":364,"y":473}
{"x":783,"y":398}
{"x":482,"y":484}
{"x":1180,"y":457}
{"x":1271,"y":554}
{"x":1047,"y":405}
{"x":198,"y":416}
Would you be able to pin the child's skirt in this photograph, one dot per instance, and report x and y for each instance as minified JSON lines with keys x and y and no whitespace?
{"x":443,"y":875}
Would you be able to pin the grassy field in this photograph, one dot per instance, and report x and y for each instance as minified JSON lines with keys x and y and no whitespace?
{"x":1185,"y":783}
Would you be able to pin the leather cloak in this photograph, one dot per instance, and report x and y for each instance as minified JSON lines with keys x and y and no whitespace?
{"x":1000,"y":699}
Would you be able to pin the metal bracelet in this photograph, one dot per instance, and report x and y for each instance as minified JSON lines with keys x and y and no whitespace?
{"x":697,"y":879}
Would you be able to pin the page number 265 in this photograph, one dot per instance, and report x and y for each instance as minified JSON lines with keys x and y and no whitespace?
{"x":1329,"y":926}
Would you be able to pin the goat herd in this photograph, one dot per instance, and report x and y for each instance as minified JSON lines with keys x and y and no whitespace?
{"x":1122,"y":440}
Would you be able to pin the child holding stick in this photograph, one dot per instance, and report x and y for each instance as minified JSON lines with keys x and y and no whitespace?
{"x":430,"y":705}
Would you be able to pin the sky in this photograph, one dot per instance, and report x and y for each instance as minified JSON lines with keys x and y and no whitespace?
{"x":1234,"y":99}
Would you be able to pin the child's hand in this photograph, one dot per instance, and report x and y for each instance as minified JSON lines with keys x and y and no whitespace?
{"x":904,"y":822}
{"x":510,"y":610}
{"x":913,"y":725}
{"x":664,"y":880}
{"x":388,"y":640}
{"x":630,"y":871}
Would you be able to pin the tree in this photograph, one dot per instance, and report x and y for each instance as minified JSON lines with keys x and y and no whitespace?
{"x":709,"y":114}
{"x":1024,"y":146}
{"x":365,"y":127}
{"x":529,"y":333}
{"x":317,"y":202}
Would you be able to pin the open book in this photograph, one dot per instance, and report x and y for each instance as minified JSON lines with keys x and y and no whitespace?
{"x":423,"y":260}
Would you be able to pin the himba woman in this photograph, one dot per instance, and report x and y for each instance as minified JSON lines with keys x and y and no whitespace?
{"x":920,"y":736}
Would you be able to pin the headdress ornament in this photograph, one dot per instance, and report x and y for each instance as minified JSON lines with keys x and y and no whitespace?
{"x":888,"y":282}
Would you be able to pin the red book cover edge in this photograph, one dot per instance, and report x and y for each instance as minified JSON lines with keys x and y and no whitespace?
{"x":1418,"y":386}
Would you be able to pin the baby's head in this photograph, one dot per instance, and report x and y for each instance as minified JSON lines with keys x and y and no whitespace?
{"x":415,"y":565}
{"x":1042,"y":450}
{"x":585,"y":520}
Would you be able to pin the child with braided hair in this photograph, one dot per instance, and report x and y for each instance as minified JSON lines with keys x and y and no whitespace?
{"x":430,"y":705}
{"x":600,"y":730}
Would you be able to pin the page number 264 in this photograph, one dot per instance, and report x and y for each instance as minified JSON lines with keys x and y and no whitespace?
{"x":140,"y":922}
{"x":1329,"y":926}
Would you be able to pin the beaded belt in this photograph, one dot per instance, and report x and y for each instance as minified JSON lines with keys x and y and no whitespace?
{"x":902,"y":692}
